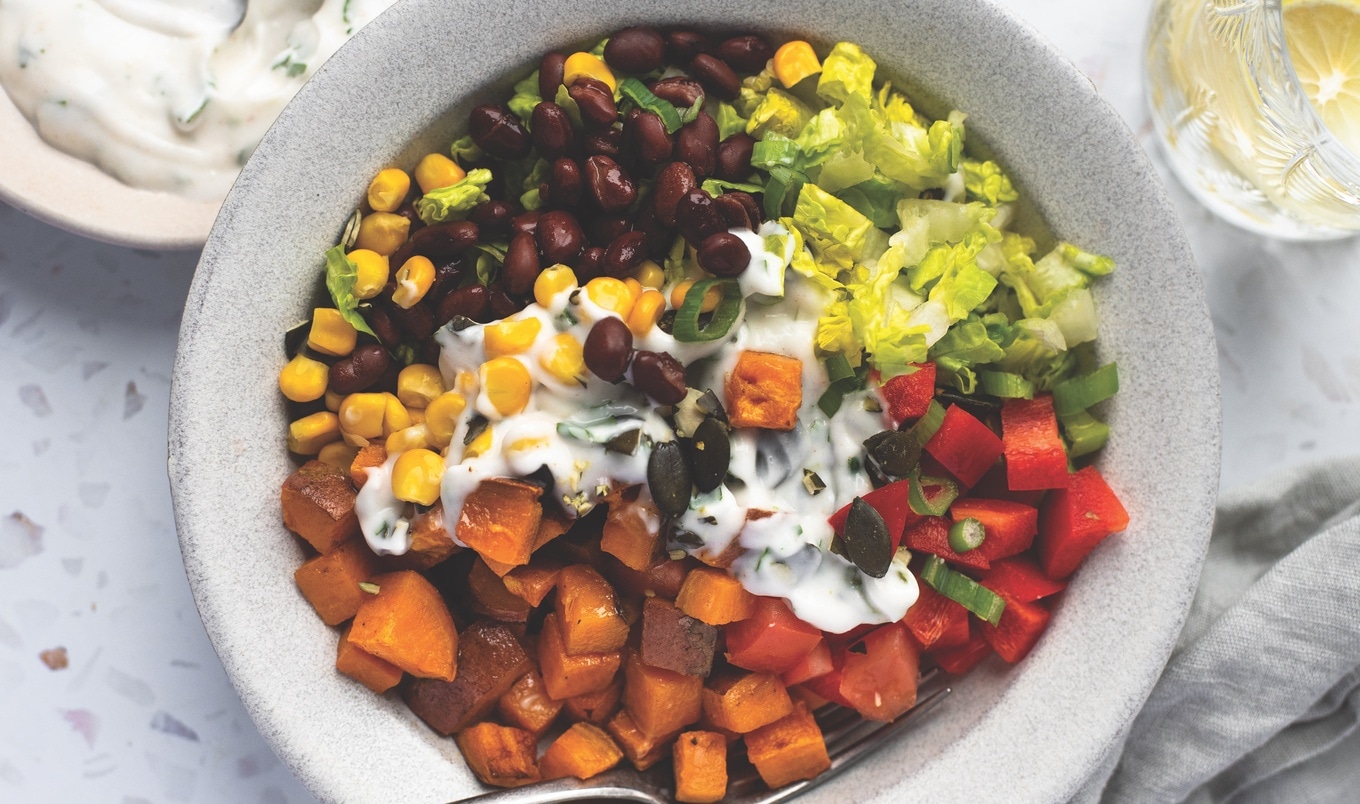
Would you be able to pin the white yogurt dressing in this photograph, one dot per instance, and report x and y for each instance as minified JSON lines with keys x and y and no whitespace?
{"x":169,"y":95}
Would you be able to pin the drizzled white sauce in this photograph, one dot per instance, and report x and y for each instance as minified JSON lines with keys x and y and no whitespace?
{"x":168,"y":95}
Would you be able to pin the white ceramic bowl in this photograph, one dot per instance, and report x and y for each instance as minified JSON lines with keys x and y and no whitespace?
{"x":1028,"y":733}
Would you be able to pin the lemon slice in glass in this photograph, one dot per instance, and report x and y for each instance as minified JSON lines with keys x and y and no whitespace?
{"x":1323,"y":37}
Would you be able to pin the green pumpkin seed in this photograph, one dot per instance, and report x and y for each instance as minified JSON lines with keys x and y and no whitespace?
{"x":866,"y":539}
{"x":896,"y":453}
{"x":710,"y":453}
{"x":669,"y":478}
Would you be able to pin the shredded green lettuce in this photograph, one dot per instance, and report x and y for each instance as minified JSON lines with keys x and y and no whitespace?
{"x":729,"y":122}
{"x":341,"y":276}
{"x":778,"y":113}
{"x":526,"y":97}
{"x":453,"y":203}
{"x":846,"y":71}
{"x":836,"y":232}
{"x":985,"y":182}
{"x":464,"y":150}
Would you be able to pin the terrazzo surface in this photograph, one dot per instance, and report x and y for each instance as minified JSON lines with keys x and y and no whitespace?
{"x":90,"y":574}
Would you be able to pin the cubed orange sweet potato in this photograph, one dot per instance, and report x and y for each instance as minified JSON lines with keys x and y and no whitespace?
{"x":596,"y":707}
{"x":490,"y":597}
{"x":500,"y":520}
{"x":588,"y":612}
{"x":583,"y":751}
{"x":528,"y":706}
{"x":788,"y":750}
{"x":553,"y":524}
{"x":765,"y":390}
{"x":431,"y":542}
{"x":490,"y":660}
{"x":661,"y":579}
{"x":330,"y":582}
{"x":407,"y":624}
{"x":714,"y":597}
{"x":660,"y":701}
{"x":632,"y":532}
{"x":700,"y":767}
{"x":533,"y":581}
{"x":318,"y":505}
{"x":365,"y":668}
{"x":373,"y":455}
{"x":675,"y":641}
{"x":499,"y":755}
{"x":570,"y":676}
{"x":743,"y":702}
{"x":642,"y":749}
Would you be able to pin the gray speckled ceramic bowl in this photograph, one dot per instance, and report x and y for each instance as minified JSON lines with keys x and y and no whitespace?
{"x":1027,"y":733}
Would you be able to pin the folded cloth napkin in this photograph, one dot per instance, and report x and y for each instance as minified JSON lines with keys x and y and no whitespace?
{"x":1260,"y":702}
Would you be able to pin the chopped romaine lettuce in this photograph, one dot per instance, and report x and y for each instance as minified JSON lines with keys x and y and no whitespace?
{"x":778,"y":113}
{"x":341,"y":276}
{"x":453,"y":203}
{"x":846,"y":71}
{"x":729,"y":122}
{"x":835,"y":231}
{"x":985,"y":182}
{"x":526,"y":97}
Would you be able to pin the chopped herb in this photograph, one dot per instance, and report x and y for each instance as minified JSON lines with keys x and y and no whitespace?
{"x":854,"y":465}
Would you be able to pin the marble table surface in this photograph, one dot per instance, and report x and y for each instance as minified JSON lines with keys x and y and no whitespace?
{"x":89,"y":562}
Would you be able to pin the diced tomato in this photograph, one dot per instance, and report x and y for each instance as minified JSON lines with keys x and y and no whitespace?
{"x":1019,"y":578}
{"x":815,"y":664}
{"x":1020,"y":627}
{"x":771,"y":640}
{"x":932,"y":615}
{"x":964,"y":446}
{"x":930,"y":534}
{"x":1035,"y":456}
{"x":892,"y":502}
{"x":993,"y":487}
{"x":957,"y":661}
{"x":908,"y":396}
{"x":879,"y":674}
{"x":1075,"y":519}
{"x":1010,"y":526}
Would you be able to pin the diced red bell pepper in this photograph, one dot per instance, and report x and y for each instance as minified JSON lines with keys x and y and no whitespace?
{"x":772,"y":639}
{"x":932,"y":616}
{"x":828,"y":686}
{"x":1019,"y":578}
{"x":892,"y":502}
{"x":1010,"y":526}
{"x":964,"y":446}
{"x":1075,"y":519}
{"x":1020,"y":627}
{"x":930,"y":534}
{"x":1035,"y":456}
{"x":993,"y":486}
{"x":815,"y":664}
{"x":908,"y":396}
{"x":879,"y":674}
{"x":956,"y":630}
{"x":958,"y":661}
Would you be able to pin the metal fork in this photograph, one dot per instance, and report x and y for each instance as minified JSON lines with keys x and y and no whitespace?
{"x":849,"y":738}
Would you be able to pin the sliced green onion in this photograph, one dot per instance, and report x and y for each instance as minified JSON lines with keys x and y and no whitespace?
{"x":772,"y":153}
{"x":687,"y":330}
{"x":935,"y":502}
{"x":638,"y":93}
{"x":716,"y":187}
{"x":1005,"y":385}
{"x":966,"y":534}
{"x":783,"y":184}
{"x":842,"y":379}
{"x":1085,"y":433}
{"x":1079,"y":393}
{"x":963,"y":590}
{"x":925,"y":427}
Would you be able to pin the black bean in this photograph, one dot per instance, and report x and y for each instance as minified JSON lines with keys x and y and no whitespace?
{"x":611,"y":187}
{"x":552,"y":130}
{"x":673,"y":183}
{"x":497,"y":131}
{"x":560,"y":240}
{"x":681,"y":46}
{"x":669,"y":479}
{"x":521,"y":263}
{"x":399,"y":257}
{"x":382,"y":324}
{"x":748,"y":201}
{"x":716,"y":77}
{"x":608,"y":348}
{"x":565,"y":184}
{"x":447,"y":276}
{"x":624,"y":254}
{"x":502,"y":304}
{"x":649,"y":136}
{"x":443,"y":241}
{"x":696,"y":143}
{"x":606,"y":142}
{"x":660,"y":237}
{"x":733,"y":212}
{"x":596,"y":101}
{"x":724,"y":254}
{"x":635,"y":50}
{"x":710,"y":453}
{"x":492,"y":218}
{"x":363,"y":366}
{"x":678,"y":91}
{"x":659,"y":376}
{"x":550,"y":72}
{"x":697,"y":217}
{"x":468,"y":302}
{"x":524,"y":223}
{"x":733,"y":161}
{"x":588,"y":265}
{"x":603,"y":229}
{"x":746,"y":54}
{"x":866,"y":538}
{"x":417,"y":322}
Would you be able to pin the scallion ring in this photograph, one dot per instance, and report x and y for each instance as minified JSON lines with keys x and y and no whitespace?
{"x":687,"y":329}
{"x":966,"y":534}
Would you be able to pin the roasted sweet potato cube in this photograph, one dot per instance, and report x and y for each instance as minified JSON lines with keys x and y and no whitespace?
{"x":700,"y":767}
{"x":491,"y":598}
{"x":765,"y":390}
{"x":788,"y":750}
{"x":318,"y":505}
{"x":676,"y":641}
{"x":588,"y":612}
{"x":596,"y":707}
{"x":661,"y":579}
{"x":632,"y":533}
{"x":500,"y":520}
{"x":330,"y":582}
{"x":528,"y":706}
{"x":570,"y":676}
{"x":642,"y":749}
{"x":660,"y":701}
{"x":583,"y":751}
{"x":370,"y":456}
{"x":533,"y":581}
{"x":553,"y":524}
{"x":408,"y":624}
{"x":743,"y":702}
{"x":490,"y":660}
{"x":365,"y":668}
{"x":714,"y":597}
{"x":431,"y":542}
{"x":499,"y":755}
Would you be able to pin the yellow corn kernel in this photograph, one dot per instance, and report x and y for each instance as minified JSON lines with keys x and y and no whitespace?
{"x":479,"y":446}
{"x":416,"y":476}
{"x":331,"y":334}
{"x":373,"y":270}
{"x":507,"y":384}
{"x":646,"y":312}
{"x":465,"y":382}
{"x":304,"y":379}
{"x":635,"y":288}
{"x":417,"y":436}
{"x":436,"y":171}
{"x":587,"y":65}
{"x":441,"y":417}
{"x":333,"y":401}
{"x":418,"y":384}
{"x":417,"y":415}
{"x":564,"y":359}
{"x":308,"y":435}
{"x":794,"y":61}
{"x":395,"y":416}
{"x":525,"y":444}
{"x":362,"y":415}
{"x":552,"y":281}
{"x":711,"y":298}
{"x":611,"y":294}
{"x":650,"y":275}
{"x":338,"y":454}
{"x":388,"y":190}
{"x":383,"y":232}
{"x":511,"y":336}
{"x":414,"y":279}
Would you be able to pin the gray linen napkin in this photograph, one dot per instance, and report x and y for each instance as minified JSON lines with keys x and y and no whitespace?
{"x":1260,"y":702}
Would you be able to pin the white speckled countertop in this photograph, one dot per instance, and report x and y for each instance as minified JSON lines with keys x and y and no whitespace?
{"x":88,"y":557}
